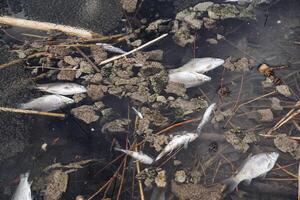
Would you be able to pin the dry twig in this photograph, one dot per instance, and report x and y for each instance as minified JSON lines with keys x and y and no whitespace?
{"x":33,"y":112}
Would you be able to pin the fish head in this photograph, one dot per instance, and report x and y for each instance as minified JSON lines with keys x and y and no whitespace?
{"x":66,"y":100}
{"x":205,"y":78}
{"x":273,"y":156}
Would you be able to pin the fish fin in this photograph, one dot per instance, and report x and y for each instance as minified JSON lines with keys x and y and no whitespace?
{"x":186,"y":145}
{"x":118,"y":149}
{"x":263,"y":175}
{"x":231,"y":184}
{"x":247,"y":181}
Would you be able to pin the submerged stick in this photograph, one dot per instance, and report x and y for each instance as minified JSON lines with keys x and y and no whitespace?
{"x":134,"y":50}
{"x":138,"y":170}
{"x":49,"y":114}
{"x":299,"y":181}
{"x":46,"y":26}
{"x":18,"y":61}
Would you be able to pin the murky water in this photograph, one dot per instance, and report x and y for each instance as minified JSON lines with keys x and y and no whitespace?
{"x":269,"y":39}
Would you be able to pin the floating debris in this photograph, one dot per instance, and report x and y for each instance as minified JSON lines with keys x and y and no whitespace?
{"x":161,"y":179}
{"x":268,"y":72}
{"x":253,"y":167}
{"x":23,"y":191}
{"x":284,"y":90}
{"x":47,"y":103}
{"x":239,"y":140}
{"x":180,"y":176}
{"x":62,"y":88}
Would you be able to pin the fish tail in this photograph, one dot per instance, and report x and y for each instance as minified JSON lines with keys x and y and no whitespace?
{"x":231,"y":184}
{"x":118,"y":149}
{"x":160,"y":156}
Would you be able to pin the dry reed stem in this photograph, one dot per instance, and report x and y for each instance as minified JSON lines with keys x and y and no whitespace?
{"x":138,"y":170}
{"x":134,"y":50}
{"x":33,"y":112}
{"x":14,"y":62}
{"x":88,"y":59}
{"x":286,"y":171}
{"x":46,"y":26}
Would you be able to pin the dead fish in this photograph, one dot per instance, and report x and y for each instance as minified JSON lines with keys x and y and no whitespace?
{"x":140,"y":156}
{"x":199,"y":65}
{"x":253,"y":167}
{"x":206,"y":117}
{"x":189,"y":79}
{"x":47,"y":103}
{"x":23,"y":191}
{"x":176,"y":142}
{"x":111,"y":48}
{"x":138,"y":113}
{"x":62,"y":88}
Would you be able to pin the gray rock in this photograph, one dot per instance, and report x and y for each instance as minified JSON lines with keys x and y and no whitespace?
{"x":85,"y":113}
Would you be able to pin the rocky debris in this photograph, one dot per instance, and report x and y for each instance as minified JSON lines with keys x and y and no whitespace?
{"x":275,"y":103}
{"x":116,"y":126}
{"x":159,"y":26}
{"x":266,"y":115}
{"x":56,"y":185}
{"x":240,"y":140}
{"x":182,"y":35}
{"x":182,"y":107}
{"x":79,"y":97}
{"x":285,"y":144}
{"x":85,"y":113}
{"x":161,"y":178}
{"x":284,"y":90}
{"x":72,"y":61}
{"x":129,"y":5}
{"x":85,"y":67}
{"x":267,"y":83}
{"x":176,"y":88}
{"x":98,"y":54}
{"x":242,"y":64}
{"x":66,"y":75}
{"x":177,"y":163}
{"x":180,"y":176}
{"x":202,"y":7}
{"x":136,"y":43}
{"x":221,"y":115}
{"x":154,"y":55}
{"x":155,"y":117}
{"x":95,"y":92}
{"x":157,"y":141}
{"x":224,"y":11}
{"x":143,"y":127}
{"x":96,"y":78}
{"x":196,"y":191}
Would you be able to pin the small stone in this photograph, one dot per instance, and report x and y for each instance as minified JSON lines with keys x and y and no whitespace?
{"x":176,"y":88}
{"x":116,"y":126}
{"x":99,"y":105}
{"x":85,"y":67}
{"x":98,"y":53}
{"x":95,"y":92}
{"x":79,"y":197}
{"x":161,"y":179}
{"x":136,"y":43}
{"x":275,"y":104}
{"x":177,"y":162}
{"x":284,"y":90}
{"x":79,"y":97}
{"x":85,"y":113}
{"x":266,"y":115}
{"x":180,"y":176}
{"x":161,"y":99}
{"x":212,"y":41}
{"x":97,"y":78}
{"x":129,"y":5}
{"x":70,"y":60}
{"x":170,"y":98}
{"x":285,"y":144}
{"x":66,"y":75}
{"x":202,"y":7}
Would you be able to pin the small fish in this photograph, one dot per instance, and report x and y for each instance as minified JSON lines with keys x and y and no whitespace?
{"x":47,"y":103}
{"x":200,"y":65}
{"x":23,"y":191}
{"x":206,"y":117}
{"x":253,"y":167}
{"x":62,"y":88}
{"x":143,"y":158}
{"x":138,"y":113}
{"x":176,"y":142}
{"x":111,"y":48}
{"x":189,"y":79}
